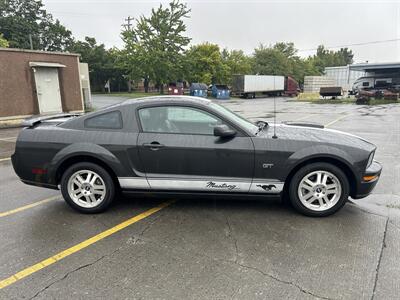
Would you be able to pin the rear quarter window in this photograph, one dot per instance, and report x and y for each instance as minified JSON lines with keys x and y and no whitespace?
{"x":109,"y":120}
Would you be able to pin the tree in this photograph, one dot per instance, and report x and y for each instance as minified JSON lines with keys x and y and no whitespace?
{"x":270,"y":61}
{"x":297,"y":67}
{"x":3,"y":41}
{"x":287,"y":49}
{"x":329,"y":58}
{"x":157,"y":42}
{"x":282,"y":59}
{"x":203,"y":63}
{"x":21,"y":18}
{"x":134,"y":59}
{"x":102,"y":62}
{"x":237,"y":63}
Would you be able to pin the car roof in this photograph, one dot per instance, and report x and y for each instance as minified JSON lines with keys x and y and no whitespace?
{"x":165,"y":99}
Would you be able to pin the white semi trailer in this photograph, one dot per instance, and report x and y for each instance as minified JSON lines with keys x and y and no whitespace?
{"x":248,"y":85}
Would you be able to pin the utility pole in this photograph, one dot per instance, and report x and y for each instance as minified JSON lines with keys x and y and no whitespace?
{"x":128,"y":23}
{"x":30,"y":41}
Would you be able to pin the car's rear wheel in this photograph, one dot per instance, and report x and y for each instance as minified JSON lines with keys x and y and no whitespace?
{"x":319,"y":189}
{"x":87,"y":187}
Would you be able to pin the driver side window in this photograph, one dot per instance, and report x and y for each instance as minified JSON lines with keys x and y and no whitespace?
{"x":177,"y":119}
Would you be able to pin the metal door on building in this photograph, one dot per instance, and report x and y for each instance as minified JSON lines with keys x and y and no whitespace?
{"x":48,"y":90}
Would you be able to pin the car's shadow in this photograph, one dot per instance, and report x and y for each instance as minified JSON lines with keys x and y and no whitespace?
{"x":58,"y":222}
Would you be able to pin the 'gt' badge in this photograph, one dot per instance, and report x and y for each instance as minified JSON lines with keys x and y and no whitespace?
{"x":267,"y":166}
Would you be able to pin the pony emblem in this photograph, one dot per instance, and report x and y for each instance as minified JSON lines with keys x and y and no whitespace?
{"x":267,"y":187}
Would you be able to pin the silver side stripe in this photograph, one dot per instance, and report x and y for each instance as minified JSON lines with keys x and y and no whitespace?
{"x":199,"y":185}
{"x":133,"y":183}
{"x":209,"y":185}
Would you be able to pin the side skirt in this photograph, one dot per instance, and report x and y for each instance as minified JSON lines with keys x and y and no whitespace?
{"x":198,"y":195}
{"x":213,"y":185}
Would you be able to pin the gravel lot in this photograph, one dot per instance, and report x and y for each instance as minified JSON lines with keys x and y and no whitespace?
{"x":211,"y":249}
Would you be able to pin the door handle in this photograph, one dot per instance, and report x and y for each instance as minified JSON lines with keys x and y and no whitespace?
{"x":153,"y":145}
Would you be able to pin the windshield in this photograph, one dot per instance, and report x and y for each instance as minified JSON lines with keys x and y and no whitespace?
{"x":235,"y":117}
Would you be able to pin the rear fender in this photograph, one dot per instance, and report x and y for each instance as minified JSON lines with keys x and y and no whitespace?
{"x":84,"y":149}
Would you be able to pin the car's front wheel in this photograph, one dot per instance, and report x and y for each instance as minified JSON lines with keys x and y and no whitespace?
{"x":319,"y":189}
{"x":87,"y":187}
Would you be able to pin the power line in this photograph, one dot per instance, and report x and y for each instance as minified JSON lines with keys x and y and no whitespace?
{"x":355,"y":44}
{"x":79,"y":14}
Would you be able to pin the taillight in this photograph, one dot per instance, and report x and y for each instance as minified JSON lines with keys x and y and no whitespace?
{"x":39,"y":171}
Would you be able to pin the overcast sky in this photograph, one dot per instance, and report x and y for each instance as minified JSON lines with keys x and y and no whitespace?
{"x":246,"y":24}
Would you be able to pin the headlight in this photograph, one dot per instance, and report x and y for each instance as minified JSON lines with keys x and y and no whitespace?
{"x":370,"y":158}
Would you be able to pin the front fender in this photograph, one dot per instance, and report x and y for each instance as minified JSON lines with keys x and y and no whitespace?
{"x":83,"y":149}
{"x":320,"y":151}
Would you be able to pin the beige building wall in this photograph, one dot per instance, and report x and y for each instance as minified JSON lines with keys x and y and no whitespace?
{"x":18,"y":95}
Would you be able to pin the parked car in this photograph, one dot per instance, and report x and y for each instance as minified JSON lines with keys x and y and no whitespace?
{"x":189,"y":145}
{"x":364,"y":96}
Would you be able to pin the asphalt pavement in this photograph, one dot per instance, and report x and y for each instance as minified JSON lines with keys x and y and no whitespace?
{"x":209,"y":249}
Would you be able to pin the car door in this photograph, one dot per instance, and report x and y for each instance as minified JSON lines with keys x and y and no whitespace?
{"x":179,"y":151}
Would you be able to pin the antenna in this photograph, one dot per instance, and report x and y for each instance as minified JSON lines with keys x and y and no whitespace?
{"x":274,"y":136}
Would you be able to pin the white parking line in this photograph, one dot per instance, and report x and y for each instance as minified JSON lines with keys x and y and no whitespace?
{"x":5,"y":159}
{"x":337,"y":120}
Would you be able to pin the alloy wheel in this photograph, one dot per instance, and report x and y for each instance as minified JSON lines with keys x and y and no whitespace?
{"x":319,"y":190}
{"x":86,"y":188}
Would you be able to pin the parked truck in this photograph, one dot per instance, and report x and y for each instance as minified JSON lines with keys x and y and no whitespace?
{"x":248,"y":86}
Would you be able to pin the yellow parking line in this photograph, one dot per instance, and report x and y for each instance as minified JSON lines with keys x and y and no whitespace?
{"x":337,"y":120}
{"x":16,"y":210}
{"x":59,"y":256}
{"x":5,"y":159}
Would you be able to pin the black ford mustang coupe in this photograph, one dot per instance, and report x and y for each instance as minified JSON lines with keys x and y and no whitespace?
{"x":187,"y":145}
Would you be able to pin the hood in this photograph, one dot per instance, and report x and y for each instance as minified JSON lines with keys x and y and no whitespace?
{"x":317,"y":134}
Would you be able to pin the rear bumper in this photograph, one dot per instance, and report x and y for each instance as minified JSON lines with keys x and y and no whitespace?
{"x":14,"y":163}
{"x":364,"y":188}
{"x":36,"y":180}
{"x":40,"y":184}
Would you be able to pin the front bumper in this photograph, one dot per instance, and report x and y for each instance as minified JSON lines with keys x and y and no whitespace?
{"x":364,"y":188}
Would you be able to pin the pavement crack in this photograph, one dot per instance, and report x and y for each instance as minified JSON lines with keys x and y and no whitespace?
{"x":300,"y":288}
{"x":73,"y":271}
{"x":232,"y":237}
{"x":380,"y":259}
{"x":229,"y":261}
{"x":149,"y":225}
{"x":367,"y":211}
{"x":66,"y":276}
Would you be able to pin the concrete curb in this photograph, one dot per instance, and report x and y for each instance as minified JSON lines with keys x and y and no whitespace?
{"x":13,"y":123}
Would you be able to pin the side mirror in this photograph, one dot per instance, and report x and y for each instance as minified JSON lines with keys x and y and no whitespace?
{"x":224,"y":131}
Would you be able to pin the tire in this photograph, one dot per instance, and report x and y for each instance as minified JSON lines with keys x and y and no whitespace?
{"x":79,"y":193}
{"x":315,"y":198}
